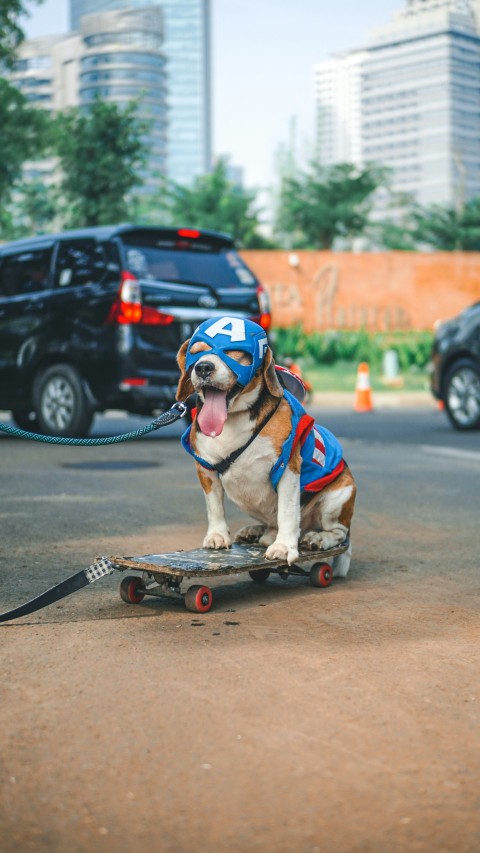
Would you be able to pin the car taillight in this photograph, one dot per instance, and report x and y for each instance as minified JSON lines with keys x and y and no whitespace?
{"x":265,"y":318}
{"x":133,"y":382}
{"x":128,"y":307}
{"x":191,"y":233}
{"x":152,"y":317}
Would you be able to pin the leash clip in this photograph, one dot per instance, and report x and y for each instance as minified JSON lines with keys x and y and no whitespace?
{"x":181,"y":408}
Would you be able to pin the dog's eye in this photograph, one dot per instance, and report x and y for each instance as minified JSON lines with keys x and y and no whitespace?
{"x":201,"y":346}
{"x":238,"y":355}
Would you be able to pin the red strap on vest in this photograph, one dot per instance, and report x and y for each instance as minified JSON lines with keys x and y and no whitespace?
{"x":304,"y":427}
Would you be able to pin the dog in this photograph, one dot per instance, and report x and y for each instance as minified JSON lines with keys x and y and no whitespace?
{"x":252,"y":440}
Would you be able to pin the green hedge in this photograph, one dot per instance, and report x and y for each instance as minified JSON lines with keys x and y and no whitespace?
{"x":413,"y":348}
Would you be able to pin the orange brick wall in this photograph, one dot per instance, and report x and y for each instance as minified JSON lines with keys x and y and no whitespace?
{"x":380,"y":292}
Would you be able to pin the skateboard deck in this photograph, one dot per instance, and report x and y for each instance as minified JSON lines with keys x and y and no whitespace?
{"x":163,"y":574}
{"x":204,"y":562}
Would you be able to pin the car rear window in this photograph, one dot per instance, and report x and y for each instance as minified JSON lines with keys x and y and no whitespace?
{"x":189,"y":262}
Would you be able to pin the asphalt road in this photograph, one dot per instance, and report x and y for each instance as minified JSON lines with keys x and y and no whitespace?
{"x":288,"y":719}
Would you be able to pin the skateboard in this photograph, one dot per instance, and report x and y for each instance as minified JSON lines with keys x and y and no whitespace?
{"x":162,"y":574}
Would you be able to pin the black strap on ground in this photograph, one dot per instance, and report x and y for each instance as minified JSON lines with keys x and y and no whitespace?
{"x":99,"y":569}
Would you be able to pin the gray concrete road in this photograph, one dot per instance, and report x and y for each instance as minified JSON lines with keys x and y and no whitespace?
{"x":288,"y":719}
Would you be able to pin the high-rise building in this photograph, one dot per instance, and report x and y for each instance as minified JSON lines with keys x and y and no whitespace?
{"x":416,"y":104}
{"x":46,"y":72}
{"x":337,"y":85}
{"x":115,"y":55}
{"x":122,"y":59}
{"x":187,"y":50}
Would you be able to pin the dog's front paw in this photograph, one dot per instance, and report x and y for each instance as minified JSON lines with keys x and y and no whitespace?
{"x":216,"y":541}
{"x":279,"y":551}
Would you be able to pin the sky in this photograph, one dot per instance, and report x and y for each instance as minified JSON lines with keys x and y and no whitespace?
{"x":262,"y":79}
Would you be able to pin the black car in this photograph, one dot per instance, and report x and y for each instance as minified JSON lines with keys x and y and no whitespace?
{"x":93,"y":319}
{"x":456,"y":368}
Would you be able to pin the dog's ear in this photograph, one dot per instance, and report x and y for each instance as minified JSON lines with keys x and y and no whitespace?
{"x":185,"y":387}
{"x":270,"y":375}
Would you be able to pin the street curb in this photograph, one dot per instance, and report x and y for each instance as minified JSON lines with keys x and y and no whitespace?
{"x":381,"y":399}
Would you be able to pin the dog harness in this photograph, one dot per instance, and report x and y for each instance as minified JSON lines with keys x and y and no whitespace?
{"x":321,"y":452}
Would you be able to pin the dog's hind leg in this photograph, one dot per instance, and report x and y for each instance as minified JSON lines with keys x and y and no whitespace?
{"x":326,"y":520}
{"x":250,"y":533}
{"x":341,"y":564}
{"x":323,"y":540}
{"x":269,"y":536}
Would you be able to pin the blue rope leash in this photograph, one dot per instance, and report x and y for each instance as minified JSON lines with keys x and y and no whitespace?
{"x":177,"y":411}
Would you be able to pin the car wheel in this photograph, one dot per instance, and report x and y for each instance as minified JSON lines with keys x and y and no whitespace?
{"x":25,"y":419}
{"x":462,"y":395}
{"x":61,"y":403}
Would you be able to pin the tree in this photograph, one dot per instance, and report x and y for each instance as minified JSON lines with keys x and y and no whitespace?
{"x":101,"y":154}
{"x":215,"y":202}
{"x":11,"y":34}
{"x":447,"y":228}
{"x":393,"y":236}
{"x":23,"y":136}
{"x":470,"y":226}
{"x":321,"y":204}
{"x":35,"y":207}
{"x":392,"y":227}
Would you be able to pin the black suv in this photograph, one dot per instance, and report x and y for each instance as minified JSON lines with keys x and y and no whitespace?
{"x":456,"y":368}
{"x":92,"y":319}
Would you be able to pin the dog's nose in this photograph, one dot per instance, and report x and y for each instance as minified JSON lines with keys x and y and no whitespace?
{"x":204,"y":368}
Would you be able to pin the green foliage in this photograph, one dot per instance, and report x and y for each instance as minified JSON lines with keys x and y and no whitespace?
{"x":11,"y":34}
{"x":393,"y":237}
{"x":101,"y":153}
{"x":215,"y":202}
{"x":35,"y":208}
{"x":469,"y":237}
{"x":150,"y":209}
{"x":449,"y":229}
{"x":413,"y":348}
{"x":320,"y":205}
{"x":23,"y":135}
{"x":439,"y":227}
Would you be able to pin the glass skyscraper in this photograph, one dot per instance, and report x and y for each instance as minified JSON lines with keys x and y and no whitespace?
{"x":186,"y":47}
{"x":421,"y":100}
{"x":410,"y":101}
{"x":115,"y":55}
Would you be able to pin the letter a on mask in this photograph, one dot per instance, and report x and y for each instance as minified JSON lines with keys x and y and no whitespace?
{"x":236,"y":332}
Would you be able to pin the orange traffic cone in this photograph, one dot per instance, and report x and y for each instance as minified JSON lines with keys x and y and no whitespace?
{"x":363,"y":392}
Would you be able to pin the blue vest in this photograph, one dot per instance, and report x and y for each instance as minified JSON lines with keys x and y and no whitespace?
{"x":321,"y":452}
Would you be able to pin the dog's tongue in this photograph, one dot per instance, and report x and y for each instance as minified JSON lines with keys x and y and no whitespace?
{"x":213,"y":413}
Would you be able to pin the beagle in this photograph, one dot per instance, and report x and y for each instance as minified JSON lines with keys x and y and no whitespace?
{"x":252,"y":439}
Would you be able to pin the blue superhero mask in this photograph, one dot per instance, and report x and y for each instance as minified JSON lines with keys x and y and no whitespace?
{"x":231,"y":333}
